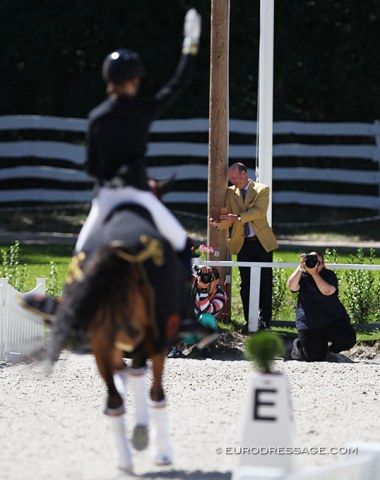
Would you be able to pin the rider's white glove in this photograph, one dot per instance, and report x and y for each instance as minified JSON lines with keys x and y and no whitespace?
{"x":191,"y":31}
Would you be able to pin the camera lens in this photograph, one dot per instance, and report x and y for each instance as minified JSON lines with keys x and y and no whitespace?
{"x":205,"y":277}
{"x":311,"y":260}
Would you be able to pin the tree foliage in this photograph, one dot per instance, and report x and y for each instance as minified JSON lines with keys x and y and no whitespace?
{"x":327,"y":64}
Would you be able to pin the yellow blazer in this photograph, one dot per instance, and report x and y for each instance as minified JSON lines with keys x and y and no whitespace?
{"x":253,"y":209}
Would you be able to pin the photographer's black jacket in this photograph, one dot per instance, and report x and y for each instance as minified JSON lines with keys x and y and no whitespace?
{"x":118,"y":129}
{"x":315,"y":310}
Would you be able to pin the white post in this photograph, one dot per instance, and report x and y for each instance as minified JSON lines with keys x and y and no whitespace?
{"x":3,"y":317}
{"x":254,"y":300}
{"x":266,"y":97}
{"x":40,"y":286}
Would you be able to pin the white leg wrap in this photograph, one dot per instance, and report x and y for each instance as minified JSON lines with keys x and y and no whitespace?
{"x":136,"y":379}
{"x":140,"y":436}
{"x":161,"y":448}
{"x":124,"y":459}
{"x":120,"y":378}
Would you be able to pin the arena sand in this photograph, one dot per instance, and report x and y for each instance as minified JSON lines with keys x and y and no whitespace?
{"x":53,"y":427}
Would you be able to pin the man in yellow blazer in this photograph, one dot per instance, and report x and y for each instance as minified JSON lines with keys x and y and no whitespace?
{"x":251,"y":237}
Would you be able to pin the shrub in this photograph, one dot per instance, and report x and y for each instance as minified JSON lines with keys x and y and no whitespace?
{"x":17,"y":274}
{"x":11,"y":268}
{"x":279,"y":289}
{"x":360,"y":292}
{"x":262,"y":348}
{"x":52,"y":287}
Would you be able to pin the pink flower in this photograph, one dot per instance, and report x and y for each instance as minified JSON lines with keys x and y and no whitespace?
{"x":203,"y":249}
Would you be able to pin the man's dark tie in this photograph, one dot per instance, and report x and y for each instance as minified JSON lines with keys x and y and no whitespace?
{"x":243,"y":193}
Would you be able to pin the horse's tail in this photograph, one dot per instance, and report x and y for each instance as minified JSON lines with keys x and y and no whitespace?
{"x":102,"y":295}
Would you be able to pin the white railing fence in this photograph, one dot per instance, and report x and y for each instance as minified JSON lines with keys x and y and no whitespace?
{"x":46,"y":170}
{"x":256,"y":267}
{"x":21,"y":332}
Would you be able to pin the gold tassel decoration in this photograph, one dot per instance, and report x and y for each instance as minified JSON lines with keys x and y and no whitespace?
{"x":153,"y":249}
{"x":75,"y":272}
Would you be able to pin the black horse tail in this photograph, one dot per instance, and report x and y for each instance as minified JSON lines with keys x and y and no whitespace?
{"x":102,"y":295}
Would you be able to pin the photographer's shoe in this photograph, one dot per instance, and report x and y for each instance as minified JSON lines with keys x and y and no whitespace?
{"x":41,"y":305}
{"x":296,"y":353}
{"x":175,"y":353}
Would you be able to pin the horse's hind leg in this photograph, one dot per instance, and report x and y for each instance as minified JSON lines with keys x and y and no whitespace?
{"x":161,"y":448}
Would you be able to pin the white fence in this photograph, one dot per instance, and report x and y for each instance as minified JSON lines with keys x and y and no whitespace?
{"x":46,"y":170}
{"x":255,"y":268}
{"x":21,"y":333}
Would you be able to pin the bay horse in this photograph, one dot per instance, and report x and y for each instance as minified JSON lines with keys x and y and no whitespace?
{"x":124,"y":290}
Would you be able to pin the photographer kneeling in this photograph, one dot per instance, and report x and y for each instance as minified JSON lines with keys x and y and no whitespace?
{"x":321,"y":319}
{"x":209,"y":300}
{"x":209,"y":296}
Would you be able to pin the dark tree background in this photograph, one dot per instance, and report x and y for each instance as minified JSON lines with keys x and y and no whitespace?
{"x":327,"y":55}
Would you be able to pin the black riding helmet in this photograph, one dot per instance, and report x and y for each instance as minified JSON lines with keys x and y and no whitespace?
{"x":122,"y":65}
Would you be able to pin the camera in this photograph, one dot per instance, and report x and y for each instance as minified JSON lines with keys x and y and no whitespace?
{"x":204,"y":277}
{"x":311,"y":260}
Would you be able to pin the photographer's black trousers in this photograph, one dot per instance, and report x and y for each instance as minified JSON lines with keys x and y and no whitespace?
{"x":315,"y":343}
{"x":253,"y":251}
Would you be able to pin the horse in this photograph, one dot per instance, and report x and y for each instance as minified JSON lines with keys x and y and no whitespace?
{"x":124,"y":291}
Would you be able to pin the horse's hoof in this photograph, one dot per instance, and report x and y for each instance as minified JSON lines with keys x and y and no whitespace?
{"x":161,"y":460}
{"x":126,"y":468}
{"x":140,"y":437}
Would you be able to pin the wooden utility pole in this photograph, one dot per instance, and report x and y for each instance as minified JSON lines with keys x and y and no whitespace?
{"x":218,"y":126}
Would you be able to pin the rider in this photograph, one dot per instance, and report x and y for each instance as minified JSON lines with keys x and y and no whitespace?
{"x":116,"y":144}
{"x":118,"y":132}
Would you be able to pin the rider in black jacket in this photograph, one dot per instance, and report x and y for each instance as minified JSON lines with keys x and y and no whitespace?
{"x":118,"y":132}
{"x":116,"y":145}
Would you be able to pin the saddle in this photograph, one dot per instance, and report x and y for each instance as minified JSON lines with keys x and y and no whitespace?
{"x":130,"y":230}
{"x":125,"y":224}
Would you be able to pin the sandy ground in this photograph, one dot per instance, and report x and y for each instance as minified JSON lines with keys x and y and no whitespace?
{"x":53,"y":427}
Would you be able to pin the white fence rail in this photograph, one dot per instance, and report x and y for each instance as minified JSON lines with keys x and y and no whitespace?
{"x":256,"y":267}
{"x":45,"y":170}
{"x":21,"y":333}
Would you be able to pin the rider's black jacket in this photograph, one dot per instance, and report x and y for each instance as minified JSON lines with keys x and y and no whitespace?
{"x":118,"y":130}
